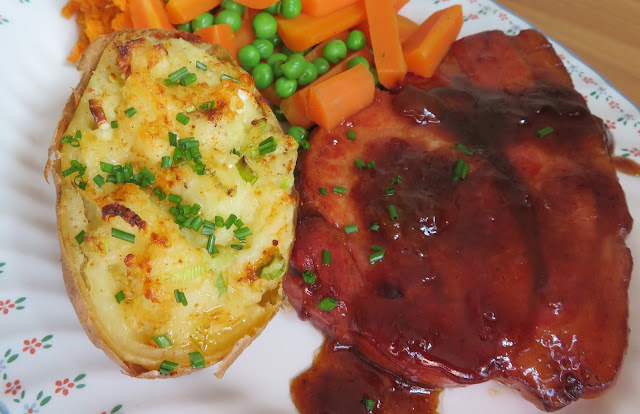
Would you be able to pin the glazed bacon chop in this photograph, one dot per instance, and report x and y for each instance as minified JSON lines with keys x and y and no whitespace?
{"x":490,"y":238}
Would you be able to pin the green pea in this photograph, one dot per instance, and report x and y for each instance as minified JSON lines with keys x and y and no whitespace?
{"x":262,"y":75}
{"x":204,"y":20}
{"x":276,"y":57}
{"x":276,"y":40}
{"x":185,"y":27}
{"x":229,"y":17}
{"x":248,"y":57}
{"x":264,"y":46}
{"x":334,"y":51}
{"x":294,"y":66}
{"x":356,"y":40}
{"x":357,"y":61}
{"x":322,"y":65}
{"x":232,"y":6}
{"x":264,"y":26}
{"x":285,"y":87}
{"x":298,"y":133}
{"x":289,"y":8}
{"x":309,"y":75}
{"x":277,"y":69}
{"x":273,"y":9}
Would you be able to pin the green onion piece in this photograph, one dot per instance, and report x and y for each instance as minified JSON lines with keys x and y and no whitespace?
{"x":464,"y":149}
{"x":459,"y":170}
{"x":120,"y":296}
{"x":195,"y":209}
{"x":207,"y":228}
{"x":80,"y":237}
{"x":359,"y":163}
{"x":173,"y":198}
{"x":180,"y":297}
{"x":207,"y":106}
{"x":237,"y":246}
{"x":68,"y":171}
{"x":323,"y":191}
{"x":238,"y":223}
{"x":374,"y":227}
{"x":108,"y":168}
{"x":389,"y":191}
{"x":232,"y":219}
{"x":376,"y":256}
{"x":245,"y":171}
{"x":78,"y":134}
{"x":351,"y":135}
{"x":309,"y":277}
{"x":130,"y":112}
{"x":225,"y":76}
{"x":188,"y":79}
{"x":178,"y":74}
{"x":369,"y":404}
{"x":339,"y":190}
{"x":99,"y":180}
{"x":242,"y":233}
{"x":327,"y":304}
{"x":544,"y":131}
{"x":123,"y":235}
{"x":267,"y":146}
{"x":173,"y":139}
{"x":182,"y":118}
{"x":197,"y":223}
{"x":166,"y":162}
{"x":114,"y":124}
{"x":220,"y":284}
{"x":162,"y":341}
{"x":201,"y":65}
{"x":397,"y":179}
{"x":188,"y":222}
{"x":371,"y":164}
{"x":219,"y":220}
{"x":157,"y":191}
{"x":167,"y":366}
{"x":393,"y":213}
{"x":211,"y":244}
{"x":196,"y":360}
{"x":326,"y":257}
{"x":350,"y":228}
{"x":465,"y":169}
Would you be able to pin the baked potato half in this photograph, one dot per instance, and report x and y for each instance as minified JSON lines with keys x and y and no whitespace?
{"x":175,"y":203}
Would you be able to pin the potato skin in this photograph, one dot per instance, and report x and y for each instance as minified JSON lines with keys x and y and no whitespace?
{"x":165,"y":257}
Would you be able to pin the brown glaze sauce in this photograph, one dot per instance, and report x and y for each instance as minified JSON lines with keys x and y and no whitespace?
{"x":627,"y":166}
{"x":341,"y":382}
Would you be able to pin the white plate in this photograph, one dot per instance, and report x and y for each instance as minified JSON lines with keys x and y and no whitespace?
{"x":47,"y":364}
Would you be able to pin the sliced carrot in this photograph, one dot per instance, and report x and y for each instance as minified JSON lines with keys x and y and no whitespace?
{"x":324,"y":7}
{"x":221,"y":34}
{"x":430,"y":43}
{"x":330,"y":104}
{"x":385,"y":41}
{"x":182,"y":11}
{"x":244,"y":35}
{"x":149,"y":14}
{"x":406,"y":27}
{"x":257,"y":4}
{"x":305,"y":31}
{"x":296,"y":107}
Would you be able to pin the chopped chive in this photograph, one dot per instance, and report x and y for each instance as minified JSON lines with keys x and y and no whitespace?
{"x":201,"y":65}
{"x":374,"y":227}
{"x":219,"y":220}
{"x":68,"y":139}
{"x":188,"y":222}
{"x":174,"y":198}
{"x":180,"y":297}
{"x":173,"y":139}
{"x":182,"y":118}
{"x":196,"y":360}
{"x":80,"y":237}
{"x":208,"y":227}
{"x":397,"y":179}
{"x":225,"y":76}
{"x":459,"y":170}
{"x":238,"y":223}
{"x":267,"y":146}
{"x":237,"y":246}
{"x":464,"y":149}
{"x":350,"y":228}
{"x":369,"y":404}
{"x":242,"y":233}
{"x":68,"y":171}
{"x":188,"y":79}
{"x":544,"y":131}
{"x":99,"y":180}
{"x":246,"y":172}
{"x":339,"y":190}
{"x":167,"y":366}
{"x":359,"y":163}
{"x":178,"y":74}
{"x":389,"y":191}
{"x":376,"y":256}
{"x":123,"y":235}
{"x":211,"y":244}
{"x":323,"y":191}
{"x":119,"y":296}
{"x":162,"y":341}
{"x":114,"y":124}
{"x":197,"y":223}
{"x":78,"y":134}
{"x":207,"y":106}
{"x":309,"y":277}
{"x":166,"y":162}
{"x":351,"y":135}
{"x":157,"y":191}
{"x":393,"y":213}
{"x":130,"y":112}
{"x":371,"y":164}
{"x":327,"y":304}
{"x":220,"y":284}
{"x":232,"y":219}
{"x":465,"y":169}
{"x":326,"y":257}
